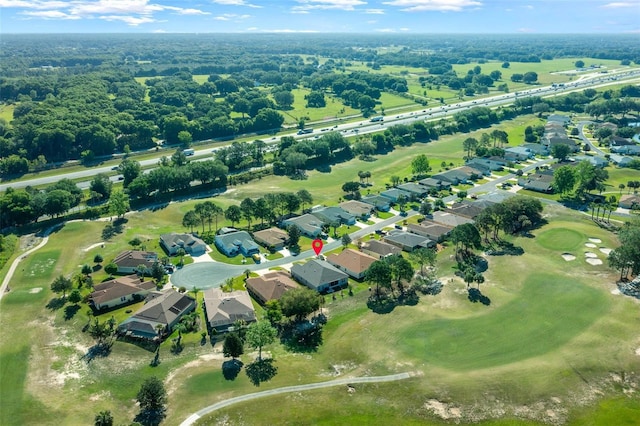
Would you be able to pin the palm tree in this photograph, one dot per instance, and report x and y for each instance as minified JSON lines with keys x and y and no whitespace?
{"x":103,"y":418}
{"x":195,"y":290}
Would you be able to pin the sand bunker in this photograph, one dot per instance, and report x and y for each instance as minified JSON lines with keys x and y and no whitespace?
{"x":638,"y":351}
{"x":594,"y":262}
{"x":590,"y":245}
{"x":35,"y":290}
{"x":615,"y":291}
{"x":595,"y":240}
{"x":568,"y":257}
{"x":591,"y":255}
{"x":605,"y":250}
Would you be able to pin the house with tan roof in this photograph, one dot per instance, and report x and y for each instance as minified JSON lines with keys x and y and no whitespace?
{"x":120,"y":291}
{"x":272,"y":238}
{"x":354,"y":263}
{"x":379,"y":249}
{"x":432,"y":230}
{"x":270,"y":286}
{"x":628,"y":201}
{"x":223,"y":309}
{"x":129,"y":260}
{"x":160,"y":313}
{"x":357,"y":208}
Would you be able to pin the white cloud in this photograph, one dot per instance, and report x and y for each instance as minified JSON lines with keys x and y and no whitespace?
{"x":433,"y":5}
{"x":405,"y":29}
{"x":328,"y":4}
{"x":33,"y":4}
{"x":374,"y":11}
{"x":182,"y":11}
{"x":621,"y":4}
{"x":133,"y":21}
{"x":235,"y":3}
{"x":159,"y":31}
{"x":230,"y":16}
{"x":49,"y":14}
{"x":252,"y":29}
{"x":386,"y":30}
{"x":290,"y":31}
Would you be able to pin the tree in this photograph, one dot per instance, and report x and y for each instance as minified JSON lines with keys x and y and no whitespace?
{"x":98,"y":258}
{"x":247,"y":207}
{"x":152,"y":398}
{"x":75,"y":297}
{"x":232,"y":346}
{"x":299,"y":303}
{"x":466,"y":235}
{"x":101,"y":185}
{"x":305,"y":198}
{"x":530,"y":77}
{"x":425,"y":208}
{"x":420,"y":165}
{"x":86,"y":269}
{"x":233,"y":214}
{"x":564,"y":179}
{"x":103,"y":418}
{"x":61,"y":285}
{"x":579,"y":64}
{"x":259,"y":334}
{"x":346,"y":240}
{"x":379,"y":273}
{"x":273,"y":312}
{"x":118,"y":203}
{"x":294,"y":235}
{"x":395,"y":180}
{"x":470,"y":144}
{"x":423,"y":256}
{"x":130,"y":170}
{"x":190,"y":220}
{"x":111,"y":268}
{"x":351,"y":187}
{"x":560,"y":151}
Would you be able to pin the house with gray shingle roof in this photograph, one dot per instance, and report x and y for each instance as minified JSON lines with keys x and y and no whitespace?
{"x":382,"y":204}
{"x":449,"y":219}
{"x":234,"y":243}
{"x":408,"y":241}
{"x":191,"y":244}
{"x":434,"y":183}
{"x":413,"y":188}
{"x":394,"y":194}
{"x":309,"y":224}
{"x":540,"y":182}
{"x":485,"y":162}
{"x":160,"y":313}
{"x":432,"y":230}
{"x":319,"y":275}
{"x":223,"y":309}
{"x":330,"y":215}
{"x":520,"y":153}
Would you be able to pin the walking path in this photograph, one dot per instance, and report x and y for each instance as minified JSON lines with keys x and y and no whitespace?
{"x":287,"y":389}
{"x":16,"y":262}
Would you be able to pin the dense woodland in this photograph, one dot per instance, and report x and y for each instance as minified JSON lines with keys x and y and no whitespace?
{"x":76,"y":96}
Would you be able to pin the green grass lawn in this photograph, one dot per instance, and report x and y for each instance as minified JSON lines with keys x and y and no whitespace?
{"x":559,"y":239}
{"x":6,"y":112}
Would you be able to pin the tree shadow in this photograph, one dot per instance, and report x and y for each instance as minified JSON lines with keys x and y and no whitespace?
{"x":261,"y":371}
{"x":70,"y":311}
{"x":99,"y":350}
{"x":56,"y":303}
{"x":475,"y":295}
{"x":231,"y":369}
{"x":150,"y":417}
{"x":505,"y":248}
{"x":302,"y":336}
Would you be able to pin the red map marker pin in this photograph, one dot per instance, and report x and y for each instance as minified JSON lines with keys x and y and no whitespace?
{"x":317,"y":246}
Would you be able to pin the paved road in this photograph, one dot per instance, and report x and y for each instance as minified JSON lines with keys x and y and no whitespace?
{"x":362,"y":127}
{"x":586,"y":140}
{"x":288,"y":389}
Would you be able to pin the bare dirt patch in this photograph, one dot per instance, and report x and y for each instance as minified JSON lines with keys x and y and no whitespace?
{"x":202,"y":359}
{"x":568,"y":257}
{"x":92,"y":246}
{"x":443,"y":410}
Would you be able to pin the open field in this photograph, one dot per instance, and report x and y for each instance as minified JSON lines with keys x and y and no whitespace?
{"x":527,"y":355}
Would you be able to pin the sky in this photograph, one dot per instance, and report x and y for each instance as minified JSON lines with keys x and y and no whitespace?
{"x":320,"y":16}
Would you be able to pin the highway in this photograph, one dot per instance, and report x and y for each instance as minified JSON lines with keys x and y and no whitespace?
{"x":597,"y":79}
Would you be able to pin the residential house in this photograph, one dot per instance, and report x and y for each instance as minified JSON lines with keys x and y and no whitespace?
{"x":479,"y":169}
{"x":394,"y":194}
{"x":594,"y":160}
{"x":453,"y":176}
{"x":432,"y":230}
{"x":494,"y":166}
{"x":272,"y":238}
{"x":160,"y":313}
{"x":379,"y":249}
{"x":380,"y":203}
{"x":626,"y":149}
{"x":238,"y":242}
{"x":309,"y":225}
{"x":223,"y":309}
{"x":270,"y":286}
{"x":520,"y":153}
{"x":467,"y":209}
{"x":192,"y":245}
{"x":540,"y":182}
{"x":353,"y":262}
{"x":449,"y":219}
{"x":331,"y":215}
{"x":129,"y":260}
{"x":628,"y":201}
{"x":415,"y":189}
{"x":319,"y":275}
{"x":119,"y":291}
{"x":619,"y":141}
{"x":536,"y":148}
{"x":408,"y":241}
{"x":553,"y":141}
{"x":472,"y":172}
{"x":557,"y":118}
{"x":358,"y":209}
{"x":438,"y":184}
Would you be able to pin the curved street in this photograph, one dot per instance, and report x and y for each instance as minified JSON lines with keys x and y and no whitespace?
{"x":346,"y":381}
